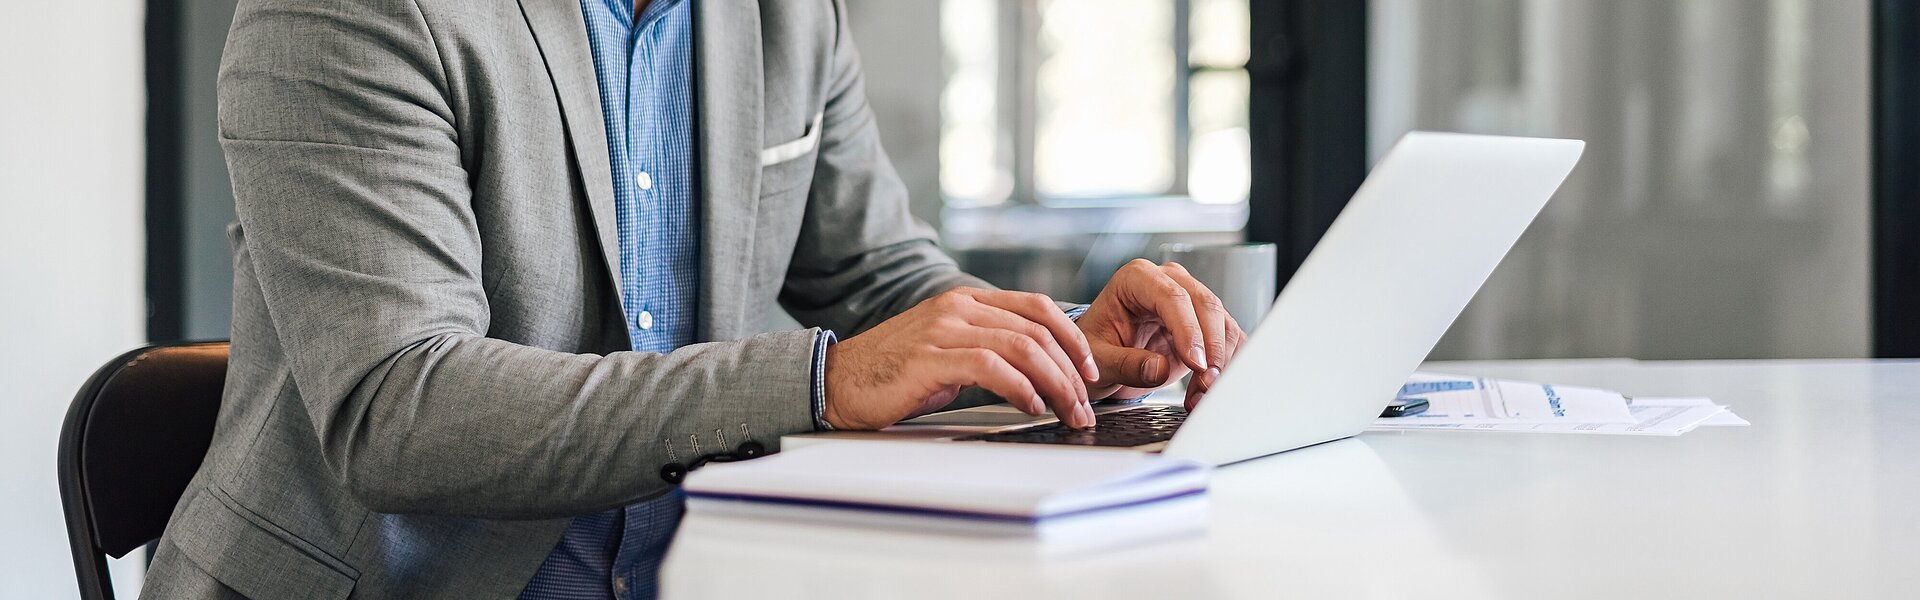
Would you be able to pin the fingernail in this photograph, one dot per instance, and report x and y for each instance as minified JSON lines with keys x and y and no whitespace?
{"x":1213,"y":376}
{"x":1156,"y":370}
{"x":1089,"y":369}
{"x":1200,"y":357}
{"x":1035,"y":406}
{"x":1085,"y":414}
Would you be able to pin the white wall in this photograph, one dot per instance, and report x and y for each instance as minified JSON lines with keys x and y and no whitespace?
{"x":72,"y":100}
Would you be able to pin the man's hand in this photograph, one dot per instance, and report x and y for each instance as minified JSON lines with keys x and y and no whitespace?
{"x":1153,"y":324}
{"x":1015,"y":344}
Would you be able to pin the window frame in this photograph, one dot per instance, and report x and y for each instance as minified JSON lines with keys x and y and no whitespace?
{"x":1017,"y":95}
{"x":1306,"y":120}
{"x":1895,"y":250}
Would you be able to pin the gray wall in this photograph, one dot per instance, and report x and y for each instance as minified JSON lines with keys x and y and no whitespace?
{"x":1721,"y":208}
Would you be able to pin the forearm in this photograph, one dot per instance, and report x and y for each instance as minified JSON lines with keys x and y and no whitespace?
{"x":467,"y":425}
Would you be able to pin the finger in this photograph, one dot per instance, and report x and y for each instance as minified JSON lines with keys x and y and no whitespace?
{"x":984,"y":368}
{"x":987,"y":315}
{"x":1152,"y":290}
{"x":1209,"y":310}
{"x":1061,"y":389}
{"x":1039,"y":309}
{"x":1203,"y":382}
{"x":1235,"y":337}
{"x":1134,"y":367}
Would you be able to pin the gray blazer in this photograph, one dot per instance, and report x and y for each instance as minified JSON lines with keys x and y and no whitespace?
{"x":430,"y":370}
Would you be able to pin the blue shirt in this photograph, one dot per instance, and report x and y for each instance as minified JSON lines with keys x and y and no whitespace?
{"x":644,"y":68}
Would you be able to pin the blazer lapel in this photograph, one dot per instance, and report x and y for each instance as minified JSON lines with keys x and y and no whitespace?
{"x":730,"y":91}
{"x":561,"y":33}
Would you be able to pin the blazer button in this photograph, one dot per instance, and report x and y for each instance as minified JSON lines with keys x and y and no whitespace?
{"x":673,"y":473}
{"x":750,"y":449}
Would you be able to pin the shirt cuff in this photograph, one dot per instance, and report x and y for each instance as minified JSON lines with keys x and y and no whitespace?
{"x":1075,"y":312}
{"x":820,"y":343}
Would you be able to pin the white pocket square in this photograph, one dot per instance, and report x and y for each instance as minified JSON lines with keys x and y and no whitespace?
{"x":794,"y":149}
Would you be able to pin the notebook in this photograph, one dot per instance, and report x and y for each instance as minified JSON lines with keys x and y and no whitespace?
{"x":981,"y":488}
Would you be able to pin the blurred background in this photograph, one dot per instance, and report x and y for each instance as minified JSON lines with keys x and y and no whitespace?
{"x":1743,"y":194}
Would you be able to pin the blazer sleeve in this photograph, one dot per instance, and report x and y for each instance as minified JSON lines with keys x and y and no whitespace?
{"x":861,"y":257}
{"x":350,"y":186}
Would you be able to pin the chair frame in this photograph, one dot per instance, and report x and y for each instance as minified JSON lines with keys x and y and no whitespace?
{"x":89,"y":559}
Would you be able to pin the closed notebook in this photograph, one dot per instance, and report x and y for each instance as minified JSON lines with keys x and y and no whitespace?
{"x":936,"y":483}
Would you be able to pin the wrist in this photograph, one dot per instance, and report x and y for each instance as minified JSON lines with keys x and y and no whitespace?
{"x":829,"y":409}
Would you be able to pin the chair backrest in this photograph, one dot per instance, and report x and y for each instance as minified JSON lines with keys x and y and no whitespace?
{"x":134,"y":437}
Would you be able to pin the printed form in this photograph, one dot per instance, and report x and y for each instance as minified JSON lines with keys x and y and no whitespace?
{"x":1460,"y":403}
{"x":1454,"y":399}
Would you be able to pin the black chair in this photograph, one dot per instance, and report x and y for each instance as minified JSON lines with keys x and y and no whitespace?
{"x":133,"y":438}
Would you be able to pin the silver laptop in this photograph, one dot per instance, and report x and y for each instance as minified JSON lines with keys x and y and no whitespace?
{"x":1414,"y":244}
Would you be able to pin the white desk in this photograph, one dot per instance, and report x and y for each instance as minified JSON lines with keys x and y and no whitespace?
{"x":1819,"y":498}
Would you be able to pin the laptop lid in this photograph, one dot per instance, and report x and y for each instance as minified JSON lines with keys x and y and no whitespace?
{"x":1399,"y":264}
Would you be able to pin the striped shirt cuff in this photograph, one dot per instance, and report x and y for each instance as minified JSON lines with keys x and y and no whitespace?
{"x":1075,"y":312}
{"x":820,"y":343}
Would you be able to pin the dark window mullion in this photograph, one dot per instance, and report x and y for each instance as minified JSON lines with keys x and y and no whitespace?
{"x":1306,"y":118}
{"x":166,"y":249}
{"x":1896,"y":184}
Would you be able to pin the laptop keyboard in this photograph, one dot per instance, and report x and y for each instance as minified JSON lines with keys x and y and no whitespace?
{"x":1123,"y":429}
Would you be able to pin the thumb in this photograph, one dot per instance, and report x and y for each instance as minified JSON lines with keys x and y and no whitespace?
{"x":1131,"y":367}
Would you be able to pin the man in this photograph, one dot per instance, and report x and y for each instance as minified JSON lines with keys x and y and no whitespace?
{"x":500,"y":272}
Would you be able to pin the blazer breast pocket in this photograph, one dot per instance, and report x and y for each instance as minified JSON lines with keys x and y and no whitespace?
{"x":782,"y":166}
{"x":794,"y":149}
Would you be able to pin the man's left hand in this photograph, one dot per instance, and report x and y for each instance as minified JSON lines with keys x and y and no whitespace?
{"x":1153,"y":324}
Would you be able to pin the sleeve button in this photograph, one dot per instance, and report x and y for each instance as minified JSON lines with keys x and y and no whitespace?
{"x":750,"y":449}
{"x":673,"y":473}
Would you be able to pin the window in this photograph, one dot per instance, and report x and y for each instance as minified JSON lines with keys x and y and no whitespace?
{"x":1074,"y":102}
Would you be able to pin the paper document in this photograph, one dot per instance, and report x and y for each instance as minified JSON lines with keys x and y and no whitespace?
{"x":1461,"y":403}
{"x":1652,"y":416}
{"x":1459,"y":400}
{"x":1725,"y":418}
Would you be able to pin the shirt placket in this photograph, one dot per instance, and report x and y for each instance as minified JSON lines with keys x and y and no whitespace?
{"x":640,"y":151}
{"x":644,"y":154}
{"x":633,"y":236}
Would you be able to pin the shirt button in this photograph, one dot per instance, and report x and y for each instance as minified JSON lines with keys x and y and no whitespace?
{"x":619,"y":585}
{"x":645,"y":320}
{"x":644,"y":180}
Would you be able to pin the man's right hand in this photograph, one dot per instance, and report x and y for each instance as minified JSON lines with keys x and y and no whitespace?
{"x":1015,"y":344}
